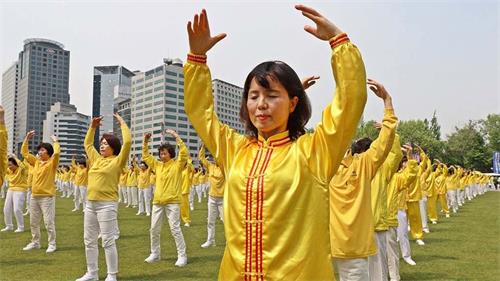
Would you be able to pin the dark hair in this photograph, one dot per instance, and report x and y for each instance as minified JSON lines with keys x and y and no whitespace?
{"x":279,"y":72}
{"x":170,"y":149}
{"x":144,"y":163}
{"x":82,"y":162}
{"x":47,"y":146}
{"x":13,"y":161}
{"x":403,"y":160}
{"x":361,"y":145}
{"x":113,"y":142}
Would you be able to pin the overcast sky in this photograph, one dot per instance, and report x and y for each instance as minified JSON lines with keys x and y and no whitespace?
{"x":430,"y":55}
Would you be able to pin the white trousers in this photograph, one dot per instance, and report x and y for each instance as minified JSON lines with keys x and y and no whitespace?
{"x":145,"y":200}
{"x":4,"y":188}
{"x":101,"y":217}
{"x":377,"y":264}
{"x":423,"y":212}
{"x":215,"y":210}
{"x":199,"y":192}
{"x":132,"y":195}
{"x":172,"y":214}
{"x":393,"y":253}
{"x":191,"y":197}
{"x":452,"y":198}
{"x":43,"y":207}
{"x":14,"y":203}
{"x":83,"y":197}
{"x":77,"y":195}
{"x":352,"y":269}
{"x":404,"y":243}
{"x":28,"y":197}
{"x":123,"y":194}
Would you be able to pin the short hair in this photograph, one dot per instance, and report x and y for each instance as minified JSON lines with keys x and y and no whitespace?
{"x":13,"y":161}
{"x":113,"y":142}
{"x":47,"y":146}
{"x":167,"y":146}
{"x":280,"y":72}
{"x":361,"y":145}
{"x":82,"y":162}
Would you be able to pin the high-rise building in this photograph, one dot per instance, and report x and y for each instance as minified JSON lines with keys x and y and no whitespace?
{"x":111,"y":84}
{"x":9,"y":94}
{"x":64,"y":122}
{"x":227,"y":99}
{"x":42,"y":80}
{"x":124,"y":110}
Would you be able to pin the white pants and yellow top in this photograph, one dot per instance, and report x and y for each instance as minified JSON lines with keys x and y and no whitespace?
{"x":351,"y":218}
{"x":3,"y":153}
{"x":166,"y":200}
{"x":377,"y":264}
{"x":144,"y":192}
{"x":16,"y":194}
{"x":122,"y":187}
{"x":132,"y":175}
{"x":215,"y":197}
{"x":413,"y":209}
{"x":187,"y":180}
{"x":43,"y":196}
{"x":101,"y":212}
{"x":81,"y":182}
{"x":274,"y":185}
{"x":424,"y":171}
{"x":397,"y":185}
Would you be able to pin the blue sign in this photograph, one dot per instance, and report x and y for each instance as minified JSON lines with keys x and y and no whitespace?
{"x":496,"y":162}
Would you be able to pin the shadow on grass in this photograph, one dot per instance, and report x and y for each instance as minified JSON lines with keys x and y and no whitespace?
{"x":434,"y":257}
{"x":424,"y":276}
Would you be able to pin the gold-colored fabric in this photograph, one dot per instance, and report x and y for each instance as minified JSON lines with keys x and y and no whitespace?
{"x":425,"y":168}
{"x":104,"y":172}
{"x":168,"y":174}
{"x":380,"y":183}
{"x":44,"y":172}
{"x":187,"y":176}
{"x":143,"y":181}
{"x":132,"y":175}
{"x":185,"y":212}
{"x":18,"y":180}
{"x":351,"y":219}
{"x":415,"y":220}
{"x":444,"y":203}
{"x":398,"y":185}
{"x":81,"y":176}
{"x":123,"y":178}
{"x":3,"y":153}
{"x":215,"y":175}
{"x":276,"y":202}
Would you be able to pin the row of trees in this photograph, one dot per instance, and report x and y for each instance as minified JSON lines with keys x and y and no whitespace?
{"x":470,"y":146}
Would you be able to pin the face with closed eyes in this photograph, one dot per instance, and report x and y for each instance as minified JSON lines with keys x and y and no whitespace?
{"x":269,"y":108}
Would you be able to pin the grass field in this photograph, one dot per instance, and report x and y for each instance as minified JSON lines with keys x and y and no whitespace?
{"x":463,"y":247}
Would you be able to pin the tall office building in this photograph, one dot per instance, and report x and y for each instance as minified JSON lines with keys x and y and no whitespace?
{"x":111,"y":84}
{"x":64,"y":122}
{"x":227,"y":99}
{"x":123,"y":109}
{"x":42,"y":80}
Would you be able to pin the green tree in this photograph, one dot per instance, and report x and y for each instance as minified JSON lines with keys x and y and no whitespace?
{"x":366,"y":129}
{"x":417,"y":132}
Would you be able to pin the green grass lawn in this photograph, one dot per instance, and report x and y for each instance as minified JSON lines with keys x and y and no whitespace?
{"x":463,"y":247}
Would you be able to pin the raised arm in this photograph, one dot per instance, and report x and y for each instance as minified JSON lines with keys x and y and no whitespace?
{"x":325,"y":148}
{"x":127,"y":141}
{"x":57,"y":152}
{"x":220,"y":139}
{"x":183,"y":151}
{"x":202,"y":158}
{"x":88,"y":143}
{"x":24,"y":149}
{"x":146,"y":155}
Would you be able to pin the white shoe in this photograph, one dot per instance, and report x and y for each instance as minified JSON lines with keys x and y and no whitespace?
{"x":18,"y":230}
{"x":110,"y":277}
{"x":26,"y":213}
{"x":447,"y":215}
{"x":434,"y":222}
{"x":6,"y":229}
{"x":192,"y":209}
{"x":409,"y":261}
{"x":31,"y":246}
{"x":208,"y":244}
{"x":148,"y":214}
{"x":426,"y":230}
{"x":51,"y":249}
{"x":187,"y":224}
{"x":74,"y":210}
{"x":420,"y":242}
{"x":128,"y":206}
{"x":181,"y":261}
{"x":138,"y":213}
{"x":88,"y":277}
{"x":152,"y":258}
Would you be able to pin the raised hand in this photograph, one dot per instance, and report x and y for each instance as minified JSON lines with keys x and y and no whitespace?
{"x":377,"y":125}
{"x":30,"y":134}
{"x":309,"y":81}
{"x":324,"y":30}
{"x":96,"y":122}
{"x":2,"y":115}
{"x":172,"y":132}
{"x":119,"y":119}
{"x":54,"y":138}
{"x":380,"y":92}
{"x":147,"y":137}
{"x":200,"y":40}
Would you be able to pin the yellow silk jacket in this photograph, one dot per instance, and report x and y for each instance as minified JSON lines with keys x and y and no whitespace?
{"x":44,"y":172}
{"x":215,"y":175}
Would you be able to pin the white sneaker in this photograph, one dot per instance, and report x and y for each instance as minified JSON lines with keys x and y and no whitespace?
{"x":88,"y":277}
{"x":181,"y":261}
{"x":19,"y":230}
{"x":187,"y":224}
{"x":447,"y":215}
{"x":51,"y":249}
{"x":420,"y":242}
{"x":26,"y":213}
{"x":208,"y":244}
{"x":434,"y":222}
{"x":110,"y":277}
{"x":74,"y":210}
{"x":409,"y":261}
{"x":6,"y":229}
{"x":31,"y":246}
{"x":426,"y":230}
{"x":148,"y":214}
{"x":152,"y":258}
{"x":138,"y":213}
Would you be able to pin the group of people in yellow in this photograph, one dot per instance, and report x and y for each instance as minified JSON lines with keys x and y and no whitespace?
{"x":296,"y":204}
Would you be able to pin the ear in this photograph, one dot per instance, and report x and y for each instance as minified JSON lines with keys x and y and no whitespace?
{"x":293,"y":103}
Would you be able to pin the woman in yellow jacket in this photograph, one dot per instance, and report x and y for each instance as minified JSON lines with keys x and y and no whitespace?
{"x":278,"y":175}
{"x":194,"y":184}
{"x":424,"y":171}
{"x":101,"y":211}
{"x":81,"y":182}
{"x":413,"y":207}
{"x":167,"y":196}
{"x":122,"y":187}
{"x":14,"y":201}
{"x":187,"y":180}
{"x":432,"y":193}
{"x":43,"y":190}
{"x":215,"y":199}
{"x":144,"y":190}
{"x":133,"y":172}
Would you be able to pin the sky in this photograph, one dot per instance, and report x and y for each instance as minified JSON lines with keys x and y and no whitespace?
{"x":441,"y":56}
